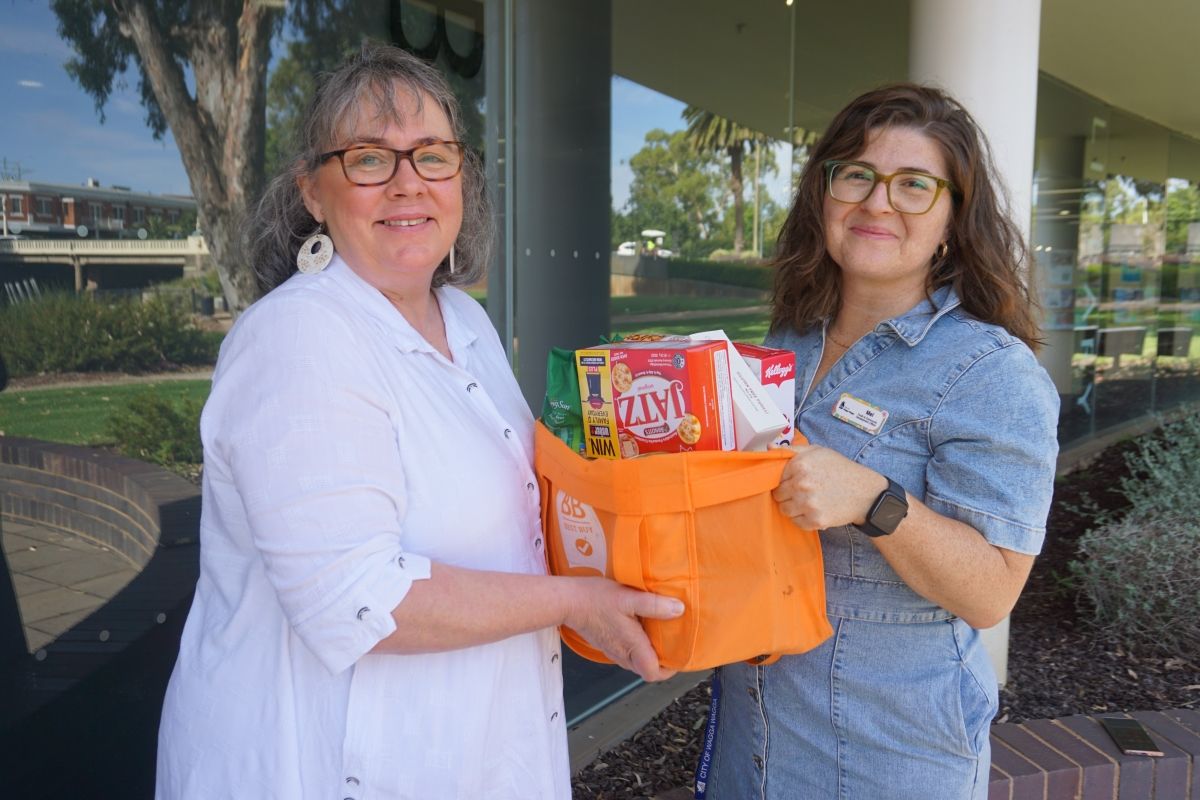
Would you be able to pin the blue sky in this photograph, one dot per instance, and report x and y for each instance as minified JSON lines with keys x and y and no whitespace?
{"x":52,"y":131}
{"x":51,"y":128}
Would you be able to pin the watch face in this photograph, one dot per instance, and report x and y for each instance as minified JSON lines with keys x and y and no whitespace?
{"x":889,"y":512}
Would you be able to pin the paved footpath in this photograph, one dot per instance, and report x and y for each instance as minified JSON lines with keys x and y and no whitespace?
{"x":60,"y":579}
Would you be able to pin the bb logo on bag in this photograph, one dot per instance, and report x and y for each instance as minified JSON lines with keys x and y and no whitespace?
{"x":582,"y":536}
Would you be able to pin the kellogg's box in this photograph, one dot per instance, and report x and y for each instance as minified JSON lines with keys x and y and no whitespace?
{"x":776,"y":371}
{"x":655,"y":397}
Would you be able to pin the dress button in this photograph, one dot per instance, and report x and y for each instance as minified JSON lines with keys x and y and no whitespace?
{"x":508,"y":433}
{"x":362,"y":612}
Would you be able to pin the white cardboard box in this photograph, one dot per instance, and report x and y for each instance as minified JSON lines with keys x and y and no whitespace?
{"x":776,"y":371}
{"x":757,"y":419}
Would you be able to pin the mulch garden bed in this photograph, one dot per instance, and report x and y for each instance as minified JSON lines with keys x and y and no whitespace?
{"x":1057,"y":664}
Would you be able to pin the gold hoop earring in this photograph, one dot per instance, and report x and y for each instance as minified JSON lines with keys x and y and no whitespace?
{"x":942,"y":251}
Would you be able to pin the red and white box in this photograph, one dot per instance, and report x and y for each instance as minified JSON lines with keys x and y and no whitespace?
{"x":755,"y":415}
{"x":655,"y":397}
{"x":776,"y":371}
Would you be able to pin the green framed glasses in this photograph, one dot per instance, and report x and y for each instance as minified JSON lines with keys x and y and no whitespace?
{"x":908,"y":192}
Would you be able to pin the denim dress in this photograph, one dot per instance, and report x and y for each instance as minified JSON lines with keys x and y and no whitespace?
{"x":898,"y":702}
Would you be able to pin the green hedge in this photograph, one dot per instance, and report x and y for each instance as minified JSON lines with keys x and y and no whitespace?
{"x":750,"y":276}
{"x":65,"y":332}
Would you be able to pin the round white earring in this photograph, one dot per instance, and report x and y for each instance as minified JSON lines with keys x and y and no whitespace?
{"x":316,"y":253}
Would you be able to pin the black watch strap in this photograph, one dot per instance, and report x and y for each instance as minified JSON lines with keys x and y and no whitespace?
{"x":886,"y":512}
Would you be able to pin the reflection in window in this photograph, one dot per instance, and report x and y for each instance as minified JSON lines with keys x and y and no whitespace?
{"x":1178,"y":348}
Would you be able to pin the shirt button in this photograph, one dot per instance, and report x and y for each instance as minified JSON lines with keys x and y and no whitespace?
{"x":400,"y":561}
{"x":362,"y":612}
{"x":758,"y":762}
{"x":508,"y":433}
{"x":530,"y":486}
{"x":538,"y":543}
{"x":352,"y":780}
{"x":554,"y":716}
{"x":472,"y":386}
{"x":753,"y":693}
{"x":554,"y":658}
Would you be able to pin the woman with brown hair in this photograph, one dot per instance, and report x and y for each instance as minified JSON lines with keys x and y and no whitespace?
{"x":930,"y":467}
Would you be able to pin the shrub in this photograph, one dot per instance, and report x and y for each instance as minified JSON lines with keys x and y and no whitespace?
{"x":751,"y":276}
{"x":66,"y":332}
{"x":1140,"y":574}
{"x":1141,"y":577}
{"x":152,"y":428}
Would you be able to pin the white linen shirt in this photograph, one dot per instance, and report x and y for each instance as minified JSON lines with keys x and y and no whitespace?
{"x":343,"y":454}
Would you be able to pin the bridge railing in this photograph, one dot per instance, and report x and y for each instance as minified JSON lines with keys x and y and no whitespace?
{"x":193,"y":245}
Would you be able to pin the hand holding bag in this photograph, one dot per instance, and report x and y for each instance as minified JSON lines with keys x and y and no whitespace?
{"x":701,"y":527}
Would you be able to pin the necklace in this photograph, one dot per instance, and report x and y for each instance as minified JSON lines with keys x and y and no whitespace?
{"x":829,"y":335}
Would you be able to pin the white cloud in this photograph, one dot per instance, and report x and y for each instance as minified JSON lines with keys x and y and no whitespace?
{"x":31,"y":84}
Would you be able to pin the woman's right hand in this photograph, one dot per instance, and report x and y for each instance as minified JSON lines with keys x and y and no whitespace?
{"x":606,"y":614}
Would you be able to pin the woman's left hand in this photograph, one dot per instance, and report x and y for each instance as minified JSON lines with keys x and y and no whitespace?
{"x":820,"y":488}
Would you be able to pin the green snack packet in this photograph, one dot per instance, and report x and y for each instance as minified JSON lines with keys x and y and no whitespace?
{"x":561,"y":411}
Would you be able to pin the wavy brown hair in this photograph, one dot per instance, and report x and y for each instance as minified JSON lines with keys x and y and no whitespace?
{"x":986,"y":253}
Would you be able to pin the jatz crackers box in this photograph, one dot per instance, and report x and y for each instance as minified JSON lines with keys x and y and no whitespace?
{"x":776,"y":371}
{"x":655,"y":397}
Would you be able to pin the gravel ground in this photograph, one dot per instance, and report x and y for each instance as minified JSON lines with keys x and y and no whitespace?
{"x":1057,"y":665}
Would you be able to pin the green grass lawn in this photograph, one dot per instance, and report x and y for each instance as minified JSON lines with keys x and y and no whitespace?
{"x":652,"y":304}
{"x":78,"y":415}
{"x":739,"y":327}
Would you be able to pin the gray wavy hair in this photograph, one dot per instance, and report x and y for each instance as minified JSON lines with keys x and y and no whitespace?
{"x":280,"y":222}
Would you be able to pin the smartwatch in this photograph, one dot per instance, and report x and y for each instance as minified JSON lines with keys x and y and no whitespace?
{"x":886,"y":512}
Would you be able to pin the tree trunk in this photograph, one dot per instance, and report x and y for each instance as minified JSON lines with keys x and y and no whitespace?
{"x":739,"y":203}
{"x":220,"y":132}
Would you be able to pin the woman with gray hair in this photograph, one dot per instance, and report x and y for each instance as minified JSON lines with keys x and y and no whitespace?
{"x":373,"y":617}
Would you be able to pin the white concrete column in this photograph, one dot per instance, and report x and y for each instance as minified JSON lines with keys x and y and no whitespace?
{"x":985,"y":53}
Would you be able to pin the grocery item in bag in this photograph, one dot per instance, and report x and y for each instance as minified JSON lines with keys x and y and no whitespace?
{"x":560,"y":408}
{"x":655,"y":397}
{"x":757,"y":420}
{"x":776,"y":371}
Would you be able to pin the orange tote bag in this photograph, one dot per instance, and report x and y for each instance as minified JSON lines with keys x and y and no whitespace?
{"x":701,"y":527}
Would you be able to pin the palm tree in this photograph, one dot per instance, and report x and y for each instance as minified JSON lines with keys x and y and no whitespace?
{"x":709,"y":132}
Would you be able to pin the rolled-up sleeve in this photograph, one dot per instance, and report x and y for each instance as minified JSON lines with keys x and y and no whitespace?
{"x":994,"y":443}
{"x":305,"y":428}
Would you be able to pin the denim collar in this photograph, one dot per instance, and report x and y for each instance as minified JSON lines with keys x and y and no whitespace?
{"x":912,"y":325}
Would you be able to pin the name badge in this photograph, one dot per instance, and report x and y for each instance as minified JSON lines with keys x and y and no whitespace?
{"x":860,"y":413}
